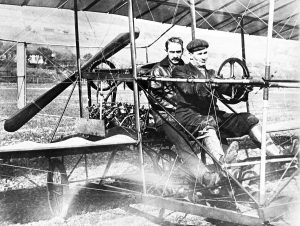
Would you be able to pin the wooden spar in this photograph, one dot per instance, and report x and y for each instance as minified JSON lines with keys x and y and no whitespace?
{"x":201,"y":210}
{"x":71,"y":146}
{"x":78,"y":58}
{"x":193,"y":18}
{"x":21,"y":74}
{"x":284,"y":126}
{"x":262,"y":193}
{"x":243,"y":40}
{"x":252,"y":82}
{"x":248,"y":163}
{"x":244,"y":53}
{"x":135,"y":92}
{"x":126,"y":75}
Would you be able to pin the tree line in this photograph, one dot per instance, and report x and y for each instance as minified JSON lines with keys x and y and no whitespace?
{"x":43,"y":64}
{"x":41,"y":57}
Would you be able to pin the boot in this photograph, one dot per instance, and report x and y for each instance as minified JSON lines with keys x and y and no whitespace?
{"x":212,"y":143}
{"x":256,"y":135}
{"x":231,"y":153}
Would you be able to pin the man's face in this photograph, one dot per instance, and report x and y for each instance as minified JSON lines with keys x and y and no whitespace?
{"x":174,"y":52}
{"x":199,"y":57}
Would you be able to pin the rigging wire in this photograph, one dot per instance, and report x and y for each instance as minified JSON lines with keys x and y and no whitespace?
{"x":292,"y":32}
{"x":175,"y":12}
{"x":187,"y":3}
{"x":197,"y":141}
{"x":259,"y":18}
{"x":56,"y":65}
{"x":286,"y":170}
{"x":205,"y":20}
{"x":213,"y":106}
{"x":285,"y":24}
{"x":236,"y":20}
{"x":93,"y":30}
{"x":10,"y":60}
{"x":169,"y":176}
{"x":150,"y":11}
{"x":137,"y":5}
{"x":100,"y":43}
{"x":168,"y":29}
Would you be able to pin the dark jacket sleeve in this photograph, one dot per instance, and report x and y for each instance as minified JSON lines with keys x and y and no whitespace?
{"x":156,"y":72}
{"x":183,"y":87}
{"x":199,"y":89}
{"x":162,"y":91}
{"x":226,"y":89}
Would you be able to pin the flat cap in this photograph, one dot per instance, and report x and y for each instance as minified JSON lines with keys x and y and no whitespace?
{"x":196,"y":45}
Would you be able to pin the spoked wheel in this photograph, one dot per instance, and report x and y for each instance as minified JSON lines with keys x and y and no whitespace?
{"x":234,"y":68}
{"x":57,"y":186}
{"x":128,"y":121}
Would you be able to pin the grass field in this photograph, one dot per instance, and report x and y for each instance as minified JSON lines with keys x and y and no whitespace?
{"x":17,"y":184}
{"x":283,"y":104}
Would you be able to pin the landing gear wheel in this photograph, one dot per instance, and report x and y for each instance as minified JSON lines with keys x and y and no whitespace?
{"x":248,"y":179}
{"x":128,"y":121}
{"x":238,"y":92}
{"x":57,"y":186}
{"x":103,"y":64}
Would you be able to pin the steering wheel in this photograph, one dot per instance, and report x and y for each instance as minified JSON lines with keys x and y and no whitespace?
{"x":238,"y":93}
{"x":102,"y":64}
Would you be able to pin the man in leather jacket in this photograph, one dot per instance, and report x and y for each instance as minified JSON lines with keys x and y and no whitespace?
{"x":197,"y":108}
{"x":165,"y":97}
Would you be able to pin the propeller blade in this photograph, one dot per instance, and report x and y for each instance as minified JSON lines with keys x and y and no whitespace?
{"x":31,"y":109}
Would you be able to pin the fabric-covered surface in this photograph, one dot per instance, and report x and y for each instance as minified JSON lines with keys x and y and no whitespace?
{"x":75,"y":142}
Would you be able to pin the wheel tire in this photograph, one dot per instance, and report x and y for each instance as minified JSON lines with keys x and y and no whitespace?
{"x":57,"y":187}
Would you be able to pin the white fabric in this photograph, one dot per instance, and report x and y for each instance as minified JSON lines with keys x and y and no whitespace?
{"x":75,"y":142}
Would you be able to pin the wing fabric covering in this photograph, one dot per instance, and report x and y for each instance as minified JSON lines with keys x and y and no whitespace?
{"x":31,"y":148}
{"x":25,"y":114}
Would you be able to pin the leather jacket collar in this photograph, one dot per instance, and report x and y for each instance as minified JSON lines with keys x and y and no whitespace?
{"x":196,"y":68}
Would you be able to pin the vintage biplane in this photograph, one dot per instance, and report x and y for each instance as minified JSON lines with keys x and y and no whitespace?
{"x":248,"y":200}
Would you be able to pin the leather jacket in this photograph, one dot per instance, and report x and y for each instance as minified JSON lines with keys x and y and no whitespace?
{"x":196,"y":96}
{"x":163,"y":92}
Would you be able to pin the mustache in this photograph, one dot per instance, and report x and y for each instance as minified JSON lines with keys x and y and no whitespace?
{"x":176,"y":58}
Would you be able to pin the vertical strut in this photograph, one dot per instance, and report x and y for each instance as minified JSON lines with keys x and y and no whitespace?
{"x":265,"y":107}
{"x":21,"y":74}
{"x":244,"y":53}
{"x":243,"y":40}
{"x":193,"y":18}
{"x":135,"y":91}
{"x":78,"y":57}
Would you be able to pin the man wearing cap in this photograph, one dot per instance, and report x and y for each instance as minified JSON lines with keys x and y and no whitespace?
{"x":198,"y":112}
{"x":165,"y":100}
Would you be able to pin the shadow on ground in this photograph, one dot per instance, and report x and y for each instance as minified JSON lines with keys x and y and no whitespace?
{"x":31,"y":205}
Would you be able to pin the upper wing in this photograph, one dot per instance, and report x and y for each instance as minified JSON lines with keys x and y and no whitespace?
{"x":222,"y":15}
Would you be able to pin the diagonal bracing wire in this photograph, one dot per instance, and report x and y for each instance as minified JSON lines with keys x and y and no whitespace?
{"x":258,"y":17}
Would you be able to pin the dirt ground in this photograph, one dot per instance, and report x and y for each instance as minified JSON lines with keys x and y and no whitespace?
{"x":89,"y":204}
{"x":23,"y":200}
{"x":23,"y":192}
